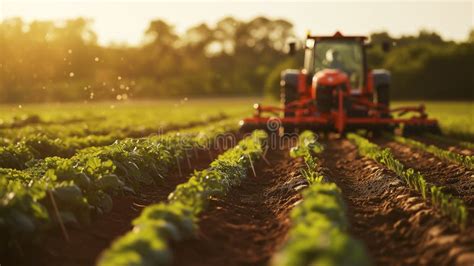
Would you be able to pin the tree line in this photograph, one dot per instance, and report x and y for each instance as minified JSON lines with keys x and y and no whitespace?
{"x":44,"y":61}
{"x":426,"y":66}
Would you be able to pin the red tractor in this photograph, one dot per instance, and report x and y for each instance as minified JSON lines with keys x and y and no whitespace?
{"x":335,"y":91}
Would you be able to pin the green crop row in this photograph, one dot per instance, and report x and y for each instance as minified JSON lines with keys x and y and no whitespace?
{"x":160,"y":224}
{"x":119,"y":125}
{"x":449,"y":205}
{"x":466,"y":161}
{"x":18,"y":155}
{"x":39,"y":146}
{"x":83,"y":184}
{"x":33,"y":119}
{"x":318,"y":235}
{"x":132,"y":119}
{"x":451,"y":141}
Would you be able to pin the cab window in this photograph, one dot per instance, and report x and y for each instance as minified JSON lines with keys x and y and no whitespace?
{"x":342,"y":55}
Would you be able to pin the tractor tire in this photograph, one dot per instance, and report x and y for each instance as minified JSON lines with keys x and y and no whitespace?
{"x":411,"y":130}
{"x":352,"y":112}
{"x":247,"y":129}
{"x":288,"y":95}
{"x":324,"y":99}
{"x":383,"y":97}
{"x":416,"y":130}
{"x":383,"y":94}
{"x":380,"y":132}
{"x":382,"y":79}
{"x":289,"y":88}
{"x":433,"y":129}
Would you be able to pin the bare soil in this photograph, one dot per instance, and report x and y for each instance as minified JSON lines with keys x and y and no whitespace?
{"x":251,"y":222}
{"x":457,"y":180}
{"x":447,"y":146}
{"x":396,"y":224}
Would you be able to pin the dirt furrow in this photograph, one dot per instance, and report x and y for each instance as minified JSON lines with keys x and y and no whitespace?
{"x":251,"y":222}
{"x":396,"y":224}
{"x":456,"y":179}
{"x":87,"y":242}
{"x":453,"y":147}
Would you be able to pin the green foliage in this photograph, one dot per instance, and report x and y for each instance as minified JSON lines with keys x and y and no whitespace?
{"x":234,"y":57}
{"x":465,"y":144}
{"x":318,"y":235}
{"x":86,"y":181}
{"x":145,"y":246}
{"x":272,"y":82}
{"x":448,"y":205}
{"x":20,"y":210}
{"x":307,"y":145}
{"x":64,"y":142}
{"x":455,"y":117}
{"x":466,"y":161}
{"x":157,"y":225}
{"x":421,"y":64}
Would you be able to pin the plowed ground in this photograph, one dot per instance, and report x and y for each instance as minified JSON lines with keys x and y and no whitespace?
{"x":395,"y":223}
{"x":87,"y":242}
{"x":249,"y":224}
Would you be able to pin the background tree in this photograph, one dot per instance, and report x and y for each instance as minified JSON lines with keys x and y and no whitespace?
{"x":50,"y":61}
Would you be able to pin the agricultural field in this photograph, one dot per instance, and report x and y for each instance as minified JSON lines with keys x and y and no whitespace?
{"x":455,"y":117}
{"x":174,"y":182}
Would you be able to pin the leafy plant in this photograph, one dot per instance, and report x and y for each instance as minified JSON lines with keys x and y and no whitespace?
{"x":446,"y":203}
{"x":466,"y":161}
{"x":465,"y":144}
{"x":318,"y":235}
{"x":157,"y":225}
{"x":307,"y":145}
{"x":35,"y":144}
{"x":86,"y":181}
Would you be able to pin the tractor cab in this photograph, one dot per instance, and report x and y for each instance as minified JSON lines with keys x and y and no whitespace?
{"x":335,"y":91}
{"x":334,"y":63}
{"x":347,"y":56}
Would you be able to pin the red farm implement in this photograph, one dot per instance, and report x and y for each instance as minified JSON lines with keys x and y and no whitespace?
{"x":335,"y":91}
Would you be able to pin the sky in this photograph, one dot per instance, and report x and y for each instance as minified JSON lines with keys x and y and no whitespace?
{"x":124,"y":22}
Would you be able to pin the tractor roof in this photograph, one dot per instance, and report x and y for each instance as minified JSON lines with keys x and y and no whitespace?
{"x":337,"y":36}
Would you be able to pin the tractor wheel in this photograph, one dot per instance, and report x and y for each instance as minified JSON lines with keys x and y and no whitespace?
{"x":288,"y":94}
{"x":410,"y":130}
{"x":377,"y":133}
{"x":324,"y":99}
{"x":247,"y":128}
{"x":383,"y":96}
{"x":290,"y":129}
{"x":433,"y":129}
{"x":352,"y":112}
